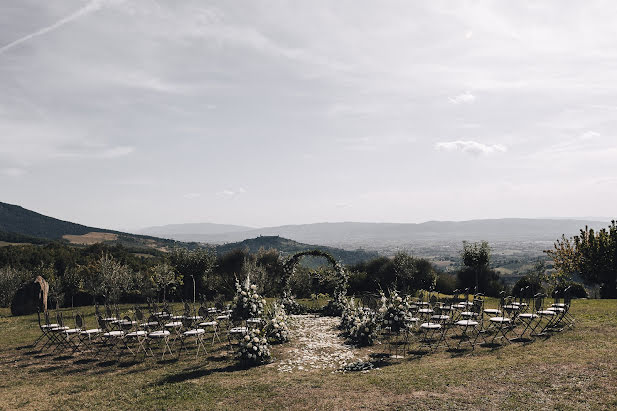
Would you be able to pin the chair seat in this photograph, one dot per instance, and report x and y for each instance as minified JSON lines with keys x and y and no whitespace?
{"x":140,"y":333}
{"x":197,"y":331}
{"x":114,"y":334}
{"x":150,"y":324}
{"x":440,"y":317}
{"x":561,"y":305}
{"x":425,"y":311}
{"x":492,"y":311}
{"x":238,"y":330}
{"x":73,"y":331}
{"x":412,"y":319}
{"x":468,"y":314}
{"x":159,"y":334}
{"x":59,"y":328}
{"x":92,"y":331}
{"x":528,"y":315}
{"x":500,"y":320}
{"x":222,"y":317}
{"x":430,"y":326}
{"x":546,"y":313}
{"x":556,"y":309}
{"x":174,"y":324}
{"x":50,"y":326}
{"x":467,"y":323}
{"x":208,"y":324}
{"x":195,"y":318}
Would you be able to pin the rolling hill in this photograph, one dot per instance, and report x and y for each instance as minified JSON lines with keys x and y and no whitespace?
{"x":20,"y":225}
{"x":288,"y":247}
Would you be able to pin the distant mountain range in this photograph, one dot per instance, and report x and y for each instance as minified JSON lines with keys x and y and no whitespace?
{"x":19,"y":225}
{"x":353,"y":235}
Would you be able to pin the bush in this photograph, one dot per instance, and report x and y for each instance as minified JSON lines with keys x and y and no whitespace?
{"x":10,"y":281}
{"x":445,"y":283}
{"x":489,"y":282}
{"x":527,"y":286}
{"x":576,"y":290}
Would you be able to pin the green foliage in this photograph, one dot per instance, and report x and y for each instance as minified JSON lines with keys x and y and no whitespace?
{"x":10,"y":281}
{"x":592,"y":256}
{"x":194,"y":264}
{"x":476,"y":274}
{"x":403,"y":272}
{"x":107,"y":278}
{"x":476,"y":255}
{"x":166,"y":277}
{"x":445,"y":283}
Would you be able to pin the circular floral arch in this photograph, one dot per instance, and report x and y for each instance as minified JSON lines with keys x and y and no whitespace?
{"x":290,"y":267}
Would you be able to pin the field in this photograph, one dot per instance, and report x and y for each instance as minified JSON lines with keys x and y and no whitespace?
{"x":576,"y":369}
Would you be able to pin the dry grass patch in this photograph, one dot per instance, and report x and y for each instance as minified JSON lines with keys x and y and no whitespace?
{"x":574,"y":370}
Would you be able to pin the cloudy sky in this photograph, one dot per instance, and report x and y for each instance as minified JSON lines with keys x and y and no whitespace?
{"x":124,"y":114}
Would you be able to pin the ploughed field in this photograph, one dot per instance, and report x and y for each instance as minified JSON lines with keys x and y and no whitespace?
{"x":575,"y":369}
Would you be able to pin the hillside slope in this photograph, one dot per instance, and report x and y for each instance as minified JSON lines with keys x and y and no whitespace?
{"x":18,"y":224}
{"x":288,"y":247}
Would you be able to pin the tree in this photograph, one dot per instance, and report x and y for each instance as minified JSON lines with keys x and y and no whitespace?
{"x":592,"y":256}
{"x":107,"y":278}
{"x":476,"y":273}
{"x":165,"y":276}
{"x":195,"y":267}
{"x":413,"y":274}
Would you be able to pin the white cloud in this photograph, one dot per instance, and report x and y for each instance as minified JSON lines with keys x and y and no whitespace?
{"x":115,"y":152}
{"x":229,"y":193}
{"x":464,"y":98}
{"x":589,"y":135}
{"x":192,"y":196}
{"x":12,"y":172}
{"x":471,"y":147}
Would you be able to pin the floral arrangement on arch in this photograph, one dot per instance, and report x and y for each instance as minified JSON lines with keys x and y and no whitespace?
{"x":348,"y":316}
{"x":253,"y":348}
{"x":394,"y":311}
{"x":247,"y":303}
{"x":276,"y":329}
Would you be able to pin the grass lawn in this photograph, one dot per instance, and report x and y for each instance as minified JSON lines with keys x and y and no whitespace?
{"x":576,"y":369}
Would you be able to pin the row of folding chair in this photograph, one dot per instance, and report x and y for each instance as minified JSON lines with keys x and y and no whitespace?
{"x":133,"y":335}
{"x":456,"y":323}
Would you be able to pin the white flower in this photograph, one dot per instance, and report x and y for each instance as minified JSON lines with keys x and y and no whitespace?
{"x":244,"y":293}
{"x":247,"y":338}
{"x":254,"y":348}
{"x":253,"y":287}
{"x":255,"y":339}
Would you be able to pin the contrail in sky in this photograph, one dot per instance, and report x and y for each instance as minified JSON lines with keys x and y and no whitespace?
{"x":87,"y":9}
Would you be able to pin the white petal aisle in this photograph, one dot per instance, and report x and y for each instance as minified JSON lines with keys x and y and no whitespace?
{"x":315,"y":345}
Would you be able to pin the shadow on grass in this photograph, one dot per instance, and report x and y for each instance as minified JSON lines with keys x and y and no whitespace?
{"x":52,"y":368}
{"x":107,"y":363}
{"x":191,"y":374}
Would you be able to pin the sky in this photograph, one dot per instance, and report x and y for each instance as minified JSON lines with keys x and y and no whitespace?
{"x":127,"y":114}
